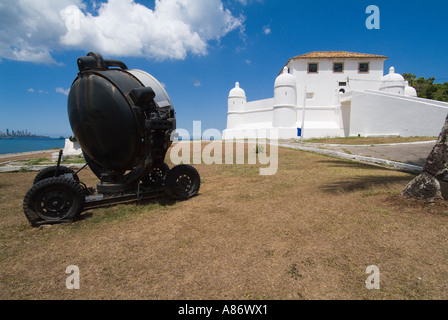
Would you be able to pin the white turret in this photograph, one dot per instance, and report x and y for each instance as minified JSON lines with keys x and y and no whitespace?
{"x":235,"y":105}
{"x":410,"y":91}
{"x":393,"y":82}
{"x":285,"y":100}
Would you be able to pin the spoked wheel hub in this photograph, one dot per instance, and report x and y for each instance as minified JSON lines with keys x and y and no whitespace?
{"x":157,"y":176}
{"x":183,"y":182}
{"x":54,"y":200}
{"x":54,"y":204}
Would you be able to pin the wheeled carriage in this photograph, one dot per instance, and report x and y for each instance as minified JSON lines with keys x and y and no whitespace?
{"x":124,"y":122}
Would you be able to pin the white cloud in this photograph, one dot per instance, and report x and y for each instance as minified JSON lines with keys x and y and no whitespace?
{"x":248,"y":62}
{"x":32,"y":90}
{"x":267,"y":30}
{"x":32,"y":30}
{"x":63,"y":91}
{"x":196,"y":83}
{"x":247,"y":2}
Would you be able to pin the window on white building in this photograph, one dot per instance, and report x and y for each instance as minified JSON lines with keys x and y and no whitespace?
{"x":338,"y":67}
{"x":313,"y":67}
{"x":364,"y":67}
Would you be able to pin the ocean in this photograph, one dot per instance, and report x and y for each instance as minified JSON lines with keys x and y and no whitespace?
{"x":18,"y":145}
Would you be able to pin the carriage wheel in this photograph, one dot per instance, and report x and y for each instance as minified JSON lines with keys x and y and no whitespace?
{"x":53,"y":200}
{"x":182,"y":182}
{"x":50,"y":172}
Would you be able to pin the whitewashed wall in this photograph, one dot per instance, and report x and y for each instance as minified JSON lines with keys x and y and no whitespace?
{"x":325,"y":84}
{"x":375,"y":113}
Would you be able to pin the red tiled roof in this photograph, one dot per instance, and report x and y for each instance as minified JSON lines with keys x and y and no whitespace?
{"x":337,"y":54}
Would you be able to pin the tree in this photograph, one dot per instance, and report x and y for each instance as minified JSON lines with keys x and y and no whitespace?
{"x":441,"y":92}
{"x":426,"y":186}
{"x":426,"y":88}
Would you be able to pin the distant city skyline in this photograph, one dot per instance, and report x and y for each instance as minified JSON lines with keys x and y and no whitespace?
{"x":17,"y":133}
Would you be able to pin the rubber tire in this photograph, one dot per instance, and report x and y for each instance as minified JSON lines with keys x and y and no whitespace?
{"x":180,"y":174}
{"x":50,"y":173}
{"x":33,"y":202}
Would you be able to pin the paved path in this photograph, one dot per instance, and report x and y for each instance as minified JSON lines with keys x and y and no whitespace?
{"x":409,"y":157}
{"x":411,"y":153}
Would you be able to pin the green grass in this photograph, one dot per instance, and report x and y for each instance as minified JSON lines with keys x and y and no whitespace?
{"x":35,"y":162}
{"x":75,"y":159}
{"x":48,"y":162}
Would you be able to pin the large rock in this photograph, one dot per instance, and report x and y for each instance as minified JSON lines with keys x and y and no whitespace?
{"x":426,"y":186}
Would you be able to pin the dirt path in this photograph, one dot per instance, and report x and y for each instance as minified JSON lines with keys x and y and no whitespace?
{"x":414,"y":153}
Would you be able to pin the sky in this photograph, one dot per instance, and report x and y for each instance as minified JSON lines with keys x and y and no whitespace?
{"x":198,"y":49}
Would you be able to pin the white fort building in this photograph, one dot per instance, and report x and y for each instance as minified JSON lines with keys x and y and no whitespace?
{"x":335,"y":94}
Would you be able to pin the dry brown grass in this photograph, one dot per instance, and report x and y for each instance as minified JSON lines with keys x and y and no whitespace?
{"x":308,"y":232}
